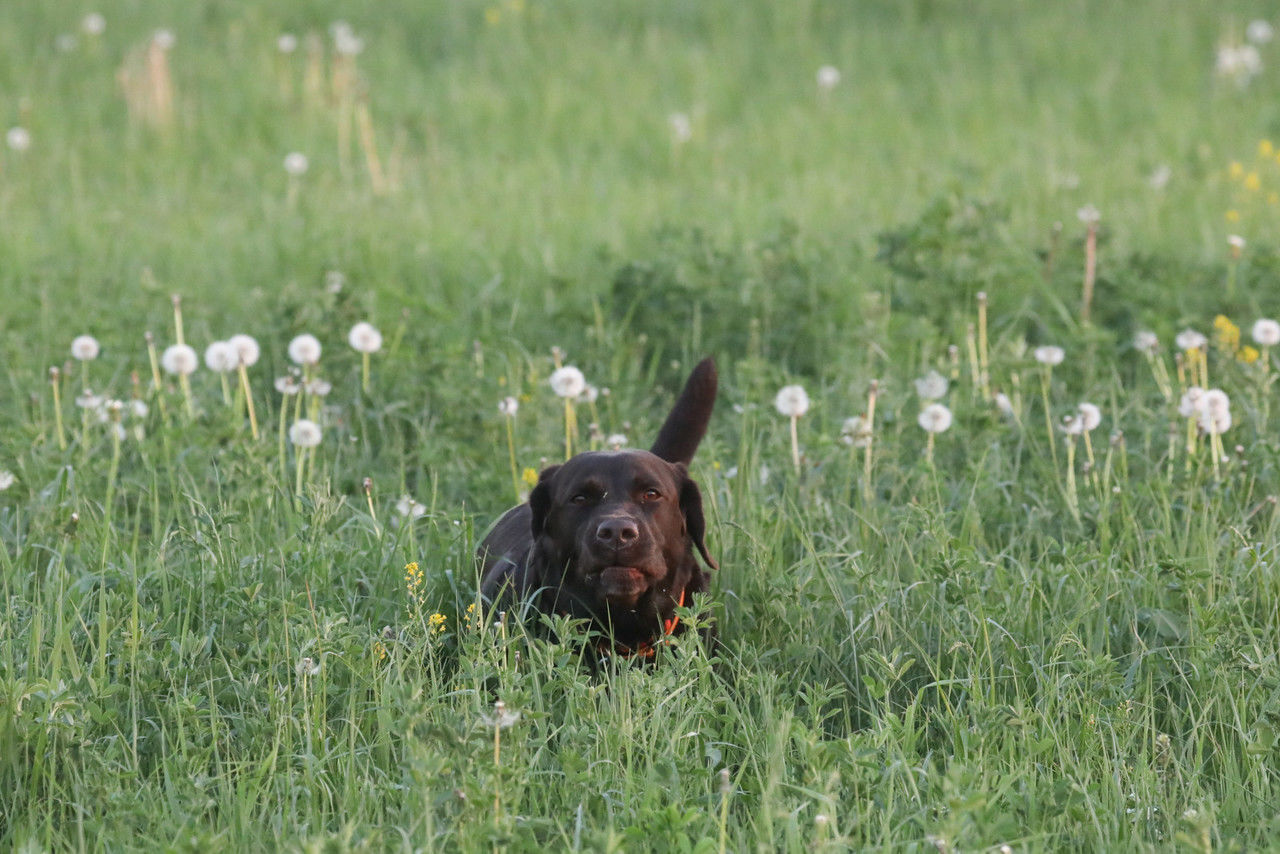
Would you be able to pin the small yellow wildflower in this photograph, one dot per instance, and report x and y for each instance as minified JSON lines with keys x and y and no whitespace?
{"x":1248,"y":354}
{"x":1265,"y":148}
{"x":436,"y":623}
{"x":1273,"y":198}
{"x":1233,"y":215}
{"x":516,"y":6}
{"x":530,"y":476}
{"x":492,"y":16}
{"x":413,"y":583}
{"x":1235,"y":170}
{"x":379,"y":651}
{"x":469,"y":615}
{"x":1227,"y":333}
{"x":1252,"y":182}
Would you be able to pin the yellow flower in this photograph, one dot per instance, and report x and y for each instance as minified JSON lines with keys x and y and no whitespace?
{"x":1233,"y":215}
{"x":1228,"y":334}
{"x":1273,"y":198}
{"x":1235,"y":170}
{"x":530,"y":476}
{"x":379,"y":651}
{"x":436,"y":623}
{"x":492,"y":16}
{"x":1265,"y":148}
{"x":1252,"y":182}
{"x":1248,"y":355}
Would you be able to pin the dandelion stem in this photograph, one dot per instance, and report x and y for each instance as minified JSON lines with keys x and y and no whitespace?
{"x":54,"y":379}
{"x":984,"y":362}
{"x":725,"y":789}
{"x":364,"y":372}
{"x":1045,"y":378}
{"x":1090,"y":271}
{"x":795,"y":443}
{"x":511,"y":449}
{"x":568,"y":428}
{"x":1073,"y":500}
{"x":867,"y":491}
{"x":248,"y":401}
{"x":300,"y":458}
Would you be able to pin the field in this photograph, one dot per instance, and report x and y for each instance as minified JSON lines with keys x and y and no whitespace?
{"x":1027,"y":631}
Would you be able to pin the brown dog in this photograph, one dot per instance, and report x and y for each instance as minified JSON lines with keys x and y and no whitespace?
{"x":610,"y":536}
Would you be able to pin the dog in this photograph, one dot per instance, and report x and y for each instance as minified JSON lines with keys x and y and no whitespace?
{"x":610,"y":536}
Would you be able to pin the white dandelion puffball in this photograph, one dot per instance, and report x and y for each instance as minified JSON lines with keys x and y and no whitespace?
{"x":318,"y":387}
{"x":305,"y":433}
{"x":1145,"y":341}
{"x":85,"y":348}
{"x":1088,"y":215}
{"x":792,"y":401}
{"x":296,"y":163}
{"x":220,"y":357}
{"x":1189,"y":404}
{"x":828,"y":77}
{"x":1236,"y":242}
{"x":6,"y":479}
{"x":19,"y":138}
{"x":1259,"y":31}
{"x":93,"y":24}
{"x":88,"y":400}
{"x":509,"y":406}
{"x":856,"y":431}
{"x":616,"y":441}
{"x":287,"y":43}
{"x":304,"y":350}
{"x":365,"y":338}
{"x":1159,"y":177}
{"x":1215,"y":412}
{"x":287,"y":385}
{"x":164,"y":39}
{"x":1089,"y":416}
{"x":589,"y":394}
{"x":409,"y":508}
{"x":180,"y":359}
{"x":1266,"y":332}
{"x":345,"y":40}
{"x":1189,"y":339}
{"x":932,"y":386}
{"x":247,"y":349}
{"x":568,"y":382}
{"x":934,"y":418}
{"x":138,"y":408}
{"x":334,"y":280}
{"x":681,"y":127}
{"x":1005,"y":405}
{"x":1071,"y":425}
{"x":1049,"y":355}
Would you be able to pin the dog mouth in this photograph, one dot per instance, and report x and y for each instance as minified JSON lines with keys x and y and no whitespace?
{"x":621,"y":585}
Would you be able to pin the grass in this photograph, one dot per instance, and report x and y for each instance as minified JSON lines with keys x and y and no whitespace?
{"x":963,"y":653}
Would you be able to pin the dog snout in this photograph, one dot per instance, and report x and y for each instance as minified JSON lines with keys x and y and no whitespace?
{"x":617,"y":532}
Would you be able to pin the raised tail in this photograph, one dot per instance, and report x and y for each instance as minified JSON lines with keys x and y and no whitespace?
{"x":687,"y":424}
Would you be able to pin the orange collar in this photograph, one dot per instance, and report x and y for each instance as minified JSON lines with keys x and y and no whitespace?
{"x":645,"y":649}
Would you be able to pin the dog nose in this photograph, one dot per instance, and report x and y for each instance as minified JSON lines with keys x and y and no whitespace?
{"x":617,"y":532}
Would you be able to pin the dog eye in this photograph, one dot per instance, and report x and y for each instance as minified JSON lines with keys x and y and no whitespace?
{"x":580,"y":498}
{"x":651,"y":494}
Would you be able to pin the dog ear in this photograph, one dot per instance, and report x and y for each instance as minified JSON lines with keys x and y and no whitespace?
{"x":694,"y":520}
{"x":540,"y":500}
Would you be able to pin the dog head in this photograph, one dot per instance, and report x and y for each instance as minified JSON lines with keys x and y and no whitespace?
{"x":622,"y":528}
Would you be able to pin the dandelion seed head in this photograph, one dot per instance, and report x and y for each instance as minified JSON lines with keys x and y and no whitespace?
{"x":296,"y":163}
{"x":164,"y":39}
{"x":502,"y":717}
{"x":1071,"y":425}
{"x":616,"y":441}
{"x":221,"y":357}
{"x":287,"y":43}
{"x":1049,"y":355}
{"x":856,"y":431}
{"x":304,"y":350}
{"x":828,"y":78}
{"x":307,"y":666}
{"x":1090,"y":416}
{"x":509,"y":406}
{"x":1236,"y":242}
{"x":1266,"y":332}
{"x":681,"y":127}
{"x":1189,"y":404}
{"x":1259,"y":31}
{"x":305,"y":433}
{"x":1190,"y":339}
{"x":934,"y":418}
{"x":1145,"y":341}
{"x":1004,"y":404}
{"x":318,"y":387}
{"x":1159,"y":177}
{"x":410,"y":509}
{"x":18,"y":138}
{"x":93,"y":24}
{"x":88,"y":400}
{"x":1089,"y":215}
{"x":334,"y":281}
{"x":589,"y":394}
{"x":791,"y":401}
{"x":138,"y":408}
{"x":932,"y":386}
{"x":287,"y":385}
{"x":365,"y":338}
{"x":6,"y":479}
{"x":247,"y":349}
{"x":568,"y":382}
{"x":180,"y":359}
{"x":85,"y":348}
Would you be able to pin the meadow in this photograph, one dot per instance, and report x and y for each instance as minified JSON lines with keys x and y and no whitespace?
{"x":1024,"y":624}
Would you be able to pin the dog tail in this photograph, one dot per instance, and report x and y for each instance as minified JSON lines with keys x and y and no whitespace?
{"x":687,"y":424}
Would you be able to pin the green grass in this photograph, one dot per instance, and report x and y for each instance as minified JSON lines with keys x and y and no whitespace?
{"x":952,"y":655}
